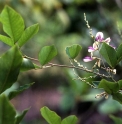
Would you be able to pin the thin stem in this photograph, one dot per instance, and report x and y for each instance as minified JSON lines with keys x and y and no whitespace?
{"x":30,"y":58}
{"x":109,"y":72}
{"x":79,"y":68}
{"x":67,"y":66}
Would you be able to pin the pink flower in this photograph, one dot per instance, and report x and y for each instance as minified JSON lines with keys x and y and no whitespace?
{"x":94,"y":48}
{"x":99,"y":37}
{"x":91,"y":49}
{"x":88,"y":59}
{"x":107,"y":40}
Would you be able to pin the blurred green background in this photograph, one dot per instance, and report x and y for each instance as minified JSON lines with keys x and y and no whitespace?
{"x":62,"y":23}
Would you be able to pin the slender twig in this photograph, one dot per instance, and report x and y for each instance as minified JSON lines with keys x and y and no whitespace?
{"x":79,"y":68}
{"x":67,"y":66}
{"x":30,"y":58}
{"x":79,"y":78}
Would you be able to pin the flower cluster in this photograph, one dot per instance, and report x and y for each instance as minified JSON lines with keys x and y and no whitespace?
{"x":99,"y":38}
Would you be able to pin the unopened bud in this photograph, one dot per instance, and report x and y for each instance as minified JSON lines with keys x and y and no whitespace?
{"x":97,"y":96}
{"x":114,"y":71}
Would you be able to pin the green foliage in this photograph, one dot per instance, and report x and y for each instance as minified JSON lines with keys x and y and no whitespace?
{"x":112,"y":88}
{"x":20,"y":116}
{"x":52,"y":118}
{"x":22,"y":88}
{"x":28,"y":34}
{"x":120,"y":84}
{"x":116,"y":120}
{"x":70,"y":120}
{"x":109,"y":54}
{"x":10,"y":63}
{"x":6,"y":40}
{"x":109,"y":87}
{"x":119,"y":53}
{"x":7,"y":112}
{"x":73,"y":51}
{"x":27,"y":65}
{"x":117,"y":97}
{"x":13,"y":23}
{"x":46,"y":54}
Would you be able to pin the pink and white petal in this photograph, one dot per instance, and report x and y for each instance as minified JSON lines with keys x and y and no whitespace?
{"x":99,"y":36}
{"x":108,"y":39}
{"x":87,"y":59}
{"x":91,"y":49}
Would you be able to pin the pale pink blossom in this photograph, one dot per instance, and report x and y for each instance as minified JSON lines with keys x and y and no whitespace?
{"x":107,"y":40}
{"x":88,"y":59}
{"x":99,"y":37}
{"x":91,"y":49}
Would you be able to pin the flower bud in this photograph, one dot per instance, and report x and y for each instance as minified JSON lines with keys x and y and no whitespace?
{"x":99,"y":37}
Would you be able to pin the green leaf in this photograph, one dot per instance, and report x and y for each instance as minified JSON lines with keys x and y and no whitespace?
{"x":7,"y":112}
{"x":119,"y":53}
{"x":73,"y":51}
{"x":27,"y":65}
{"x":20,"y":116}
{"x":13,"y":23}
{"x":37,"y":66}
{"x":10,"y":63}
{"x":14,"y":93}
{"x":50,"y":116}
{"x":116,"y":120}
{"x":6,"y":40}
{"x":120,"y":84}
{"x":117,"y":97}
{"x":109,"y":54}
{"x":28,"y":34}
{"x":46,"y":54}
{"x":70,"y":120}
{"x":109,"y":87}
